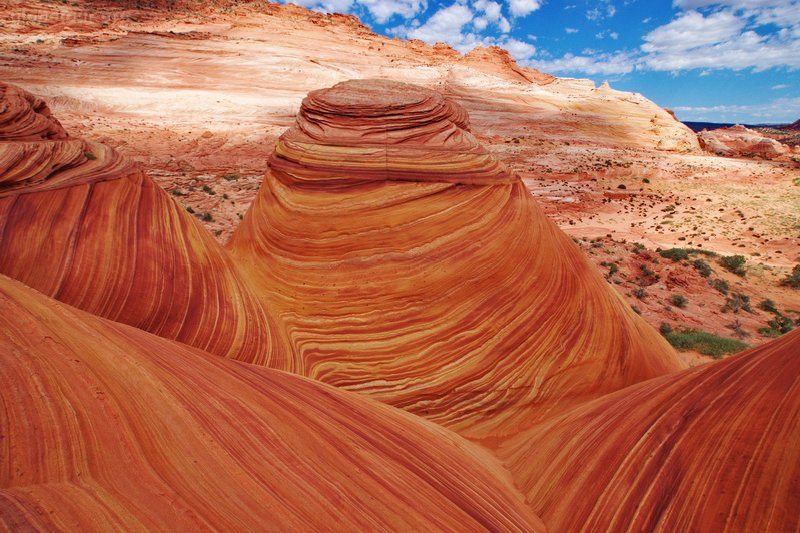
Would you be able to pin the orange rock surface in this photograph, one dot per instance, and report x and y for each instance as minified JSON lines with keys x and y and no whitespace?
{"x":85,"y":225}
{"x":407,"y":263}
{"x":106,"y":427}
{"x":713,"y":448}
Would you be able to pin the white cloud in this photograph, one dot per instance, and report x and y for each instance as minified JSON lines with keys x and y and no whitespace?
{"x":380,"y":10}
{"x":591,"y":64}
{"x":610,"y":34}
{"x":603,"y":9}
{"x":519,"y":49}
{"x":571,"y":30}
{"x":383,"y":10}
{"x":773,"y":111}
{"x":459,"y":26}
{"x":692,"y":30}
{"x":721,"y":39}
{"x":443,"y":26}
{"x":780,"y":87}
{"x":522,"y":8}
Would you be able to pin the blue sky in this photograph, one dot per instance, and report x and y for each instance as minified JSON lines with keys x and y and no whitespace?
{"x":719,"y":61}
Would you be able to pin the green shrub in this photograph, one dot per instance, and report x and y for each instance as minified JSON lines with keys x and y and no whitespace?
{"x":703,"y":268}
{"x":737,"y":302}
{"x":208,"y":190}
{"x":679,"y":300}
{"x":89,"y":155}
{"x":676,"y":254}
{"x":176,"y":192}
{"x":664,"y":328}
{"x":768,"y":305}
{"x":704,"y":342}
{"x":230,"y":177}
{"x":720,"y":284}
{"x":792,"y":280}
{"x":734,"y":264}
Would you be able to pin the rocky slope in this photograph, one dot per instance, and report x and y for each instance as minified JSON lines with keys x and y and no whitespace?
{"x":107,"y":427}
{"x":83,"y":224}
{"x":709,"y":449}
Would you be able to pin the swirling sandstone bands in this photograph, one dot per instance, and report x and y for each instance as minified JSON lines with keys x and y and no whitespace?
{"x":107,"y":427}
{"x":714,"y":448}
{"x":83,"y":224}
{"x":408,"y":264}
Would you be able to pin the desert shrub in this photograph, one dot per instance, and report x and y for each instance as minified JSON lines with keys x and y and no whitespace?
{"x":230,"y":177}
{"x":704,"y":342}
{"x":777,"y":326}
{"x":176,"y":192}
{"x":208,"y":190}
{"x":720,"y":284}
{"x":206,"y":217}
{"x":734,"y":264}
{"x":703,"y":268}
{"x":640,"y":293}
{"x":664,"y":328}
{"x":190,"y":210}
{"x":679,"y":300}
{"x":613,"y":268}
{"x":681,"y":254}
{"x":90,"y":156}
{"x":737,"y":302}
{"x":768,"y":305}
{"x":676,"y":254}
{"x":792,"y":280}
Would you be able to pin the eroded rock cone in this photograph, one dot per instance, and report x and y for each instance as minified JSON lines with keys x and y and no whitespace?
{"x":713,"y":448}
{"x":408,"y":264}
{"x":85,"y":225}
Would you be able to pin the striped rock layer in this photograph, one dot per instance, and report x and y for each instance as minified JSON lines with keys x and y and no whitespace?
{"x":714,"y":448}
{"x":84,"y":225}
{"x":406,"y":263}
{"x":108,"y":428}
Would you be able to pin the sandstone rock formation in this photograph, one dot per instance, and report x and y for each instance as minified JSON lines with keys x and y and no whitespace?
{"x":713,"y":448}
{"x":738,"y":141}
{"x":106,"y":427}
{"x":408,"y":264}
{"x":84,"y":225}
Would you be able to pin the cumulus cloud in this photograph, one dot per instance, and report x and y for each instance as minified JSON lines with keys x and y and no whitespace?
{"x":692,"y":30}
{"x":519,"y":49}
{"x":571,"y":30}
{"x":721,"y":39}
{"x":523,"y":8}
{"x":461,"y":25}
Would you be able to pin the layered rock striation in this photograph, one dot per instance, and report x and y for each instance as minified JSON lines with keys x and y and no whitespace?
{"x":84,"y":225}
{"x":408,"y":264}
{"x":713,"y":448}
{"x":106,"y":427}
